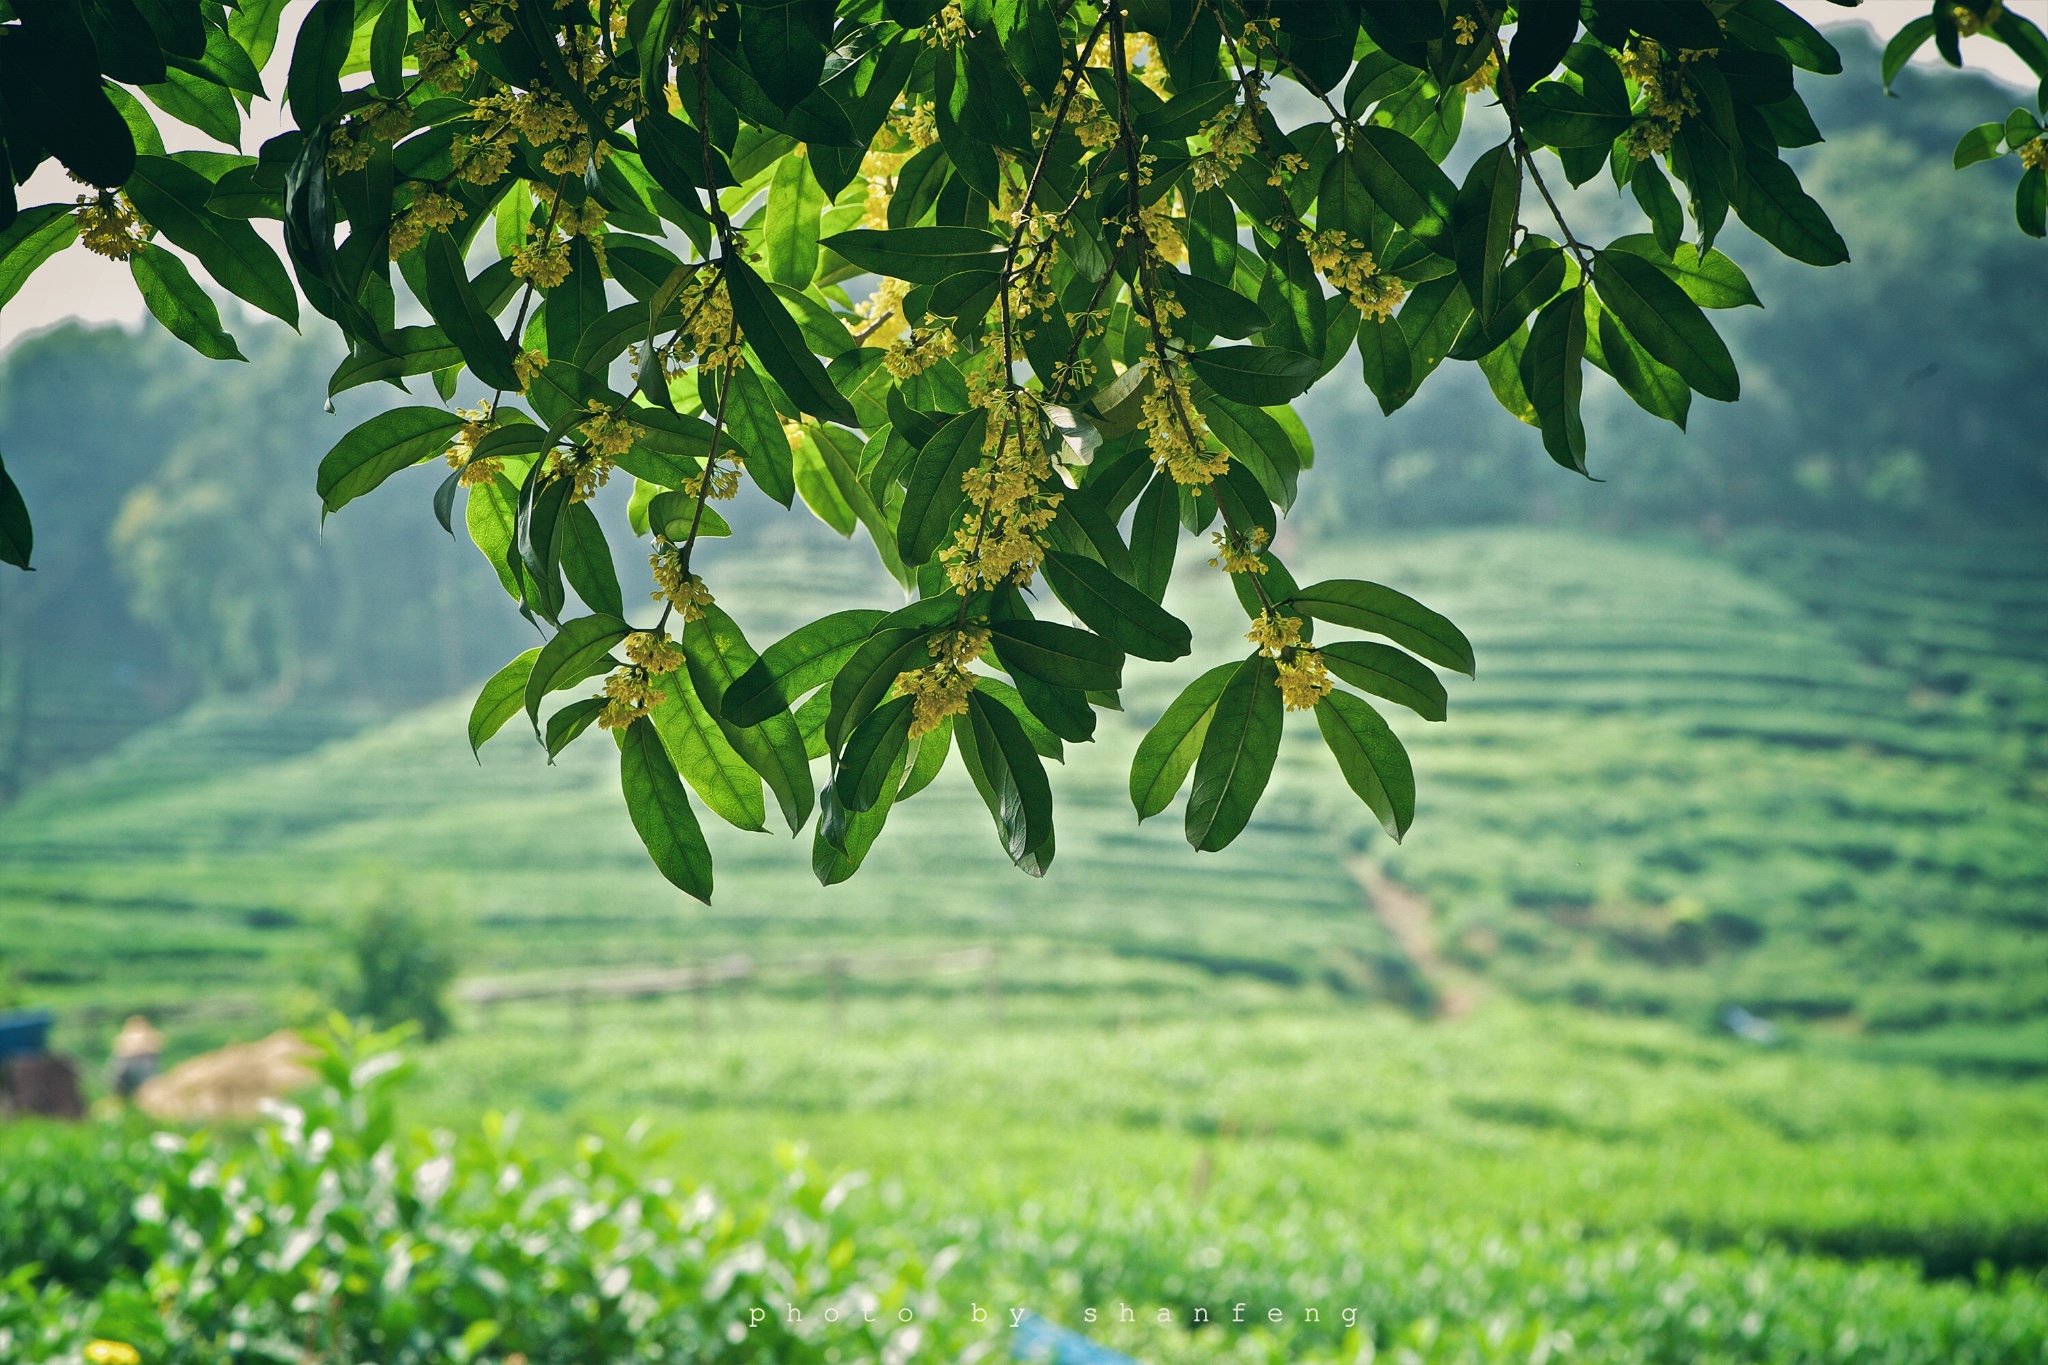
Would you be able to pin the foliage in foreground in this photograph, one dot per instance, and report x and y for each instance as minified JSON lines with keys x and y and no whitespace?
{"x":1029,"y":181}
{"x":331,"y":1235}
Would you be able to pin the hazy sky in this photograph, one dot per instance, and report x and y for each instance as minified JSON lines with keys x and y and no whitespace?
{"x":79,"y":284}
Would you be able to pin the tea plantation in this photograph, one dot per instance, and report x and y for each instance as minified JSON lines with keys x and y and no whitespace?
{"x":1475,"y":1086}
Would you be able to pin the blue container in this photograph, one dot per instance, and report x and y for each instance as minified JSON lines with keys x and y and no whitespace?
{"x":25,"y":1033}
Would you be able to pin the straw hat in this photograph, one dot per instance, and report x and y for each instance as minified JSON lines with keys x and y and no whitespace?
{"x":138,"y":1039}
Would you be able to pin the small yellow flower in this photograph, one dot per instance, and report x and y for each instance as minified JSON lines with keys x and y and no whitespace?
{"x":1273,"y":633}
{"x":1467,"y":28}
{"x":1969,"y":24}
{"x":103,"y":1352}
{"x":1240,"y":554}
{"x":2034,"y":153}
{"x":1176,"y":433}
{"x":1303,"y":680}
{"x":947,"y":29}
{"x":655,"y":653}
{"x":526,"y":365}
{"x":109,"y":225}
{"x":918,"y":352}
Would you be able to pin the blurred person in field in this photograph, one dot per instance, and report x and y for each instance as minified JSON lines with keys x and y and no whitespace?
{"x":138,"y":1049}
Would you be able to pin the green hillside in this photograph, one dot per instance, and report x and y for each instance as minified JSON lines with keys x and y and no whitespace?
{"x":1795,"y":775}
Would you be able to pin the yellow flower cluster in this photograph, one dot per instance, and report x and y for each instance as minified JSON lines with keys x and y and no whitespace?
{"x":526,"y":365}
{"x":683,"y":591}
{"x":1007,"y":491}
{"x":1094,"y":125}
{"x":1032,"y":288}
{"x":1240,"y":554}
{"x":629,"y":694}
{"x":429,"y":209}
{"x":940,"y":690}
{"x":947,"y":29}
{"x":1345,"y":263}
{"x":709,"y":335}
{"x":1969,"y":23}
{"x":461,"y":454}
{"x":1667,"y":99}
{"x":1176,"y":433}
{"x":1163,"y":231}
{"x":1467,"y":29}
{"x":104,"y":1352}
{"x":491,"y":18}
{"x":653,"y":651}
{"x":1232,"y":135}
{"x":2034,"y":153}
{"x":1273,"y":633}
{"x":441,"y":64}
{"x":1289,"y":165}
{"x":1481,"y":81}
{"x":1303,"y":680}
{"x":1142,"y":56}
{"x":109,"y":226}
{"x":923,"y":348}
{"x":881,"y":313}
{"x":608,"y":433}
{"x":356,"y":140}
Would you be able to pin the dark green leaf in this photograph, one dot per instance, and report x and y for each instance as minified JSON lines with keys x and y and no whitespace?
{"x":501,"y":699}
{"x":1669,"y":325}
{"x":932,"y":501}
{"x":1115,"y":610}
{"x":1485,"y":214}
{"x":1258,"y":375}
{"x":874,"y":749}
{"x":1382,"y":610}
{"x":1155,"y":536}
{"x":921,"y":255}
{"x":661,"y":810}
{"x":1558,"y":116}
{"x":176,"y":300}
{"x":1058,"y":655}
{"x":578,"y":649}
{"x":1901,"y":48}
{"x":1403,"y":180}
{"x":779,"y":342}
{"x":1387,"y":672}
{"x":1237,"y":754}
{"x":173,"y":198}
{"x":719,"y":656}
{"x":1770,"y":202}
{"x":379,"y":448}
{"x":1010,"y":777}
{"x":1213,"y":307}
{"x":1553,"y":376}
{"x":17,"y":532}
{"x":35,"y":235}
{"x":1371,"y":759}
{"x":1169,"y":748}
{"x":572,"y":720}
{"x":463,"y":317}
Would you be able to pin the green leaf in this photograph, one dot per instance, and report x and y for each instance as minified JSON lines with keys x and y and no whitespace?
{"x":1169,"y":748}
{"x":674,"y":514}
{"x":661,"y":810}
{"x":35,"y":235}
{"x":1770,"y":202}
{"x":1371,"y":759}
{"x":1553,"y":376}
{"x":2030,"y":203}
{"x":1403,"y":180}
{"x":17,"y":532}
{"x":844,"y":837}
{"x":704,"y":757}
{"x":463,"y":317}
{"x":1387,"y":672}
{"x":719,"y":656}
{"x":1659,"y":204}
{"x":1901,"y":48}
{"x":1155,"y":536}
{"x":587,"y":560}
{"x":1237,"y":754}
{"x":1258,"y":375}
{"x":751,"y":419}
{"x":920,"y":255}
{"x":491,"y":518}
{"x":1010,"y":776}
{"x":176,"y":300}
{"x":579,"y":648}
{"x":569,"y":722}
{"x":866,"y":677}
{"x":173,"y":199}
{"x":1980,"y":144}
{"x":790,"y":232}
{"x":807,"y":657}
{"x":1656,"y":388}
{"x":501,"y":699}
{"x":779,"y":342}
{"x":1383,"y":349}
{"x":1485,"y":213}
{"x":1213,"y":307}
{"x":1115,"y":610}
{"x":379,"y":448}
{"x":935,"y":493}
{"x":874,"y":749}
{"x":1558,"y":116}
{"x":413,"y":350}
{"x":1058,"y":655}
{"x":1670,"y":325}
{"x":927,"y":756}
{"x":1715,"y":282}
{"x":1383,"y":611}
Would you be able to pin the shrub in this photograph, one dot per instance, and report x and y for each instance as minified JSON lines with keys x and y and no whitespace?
{"x":403,"y":964}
